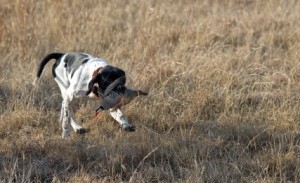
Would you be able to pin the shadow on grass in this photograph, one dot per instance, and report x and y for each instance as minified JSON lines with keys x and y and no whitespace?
{"x":210,"y":151}
{"x":5,"y":97}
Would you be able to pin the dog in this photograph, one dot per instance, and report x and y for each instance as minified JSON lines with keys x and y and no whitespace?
{"x":81,"y":75}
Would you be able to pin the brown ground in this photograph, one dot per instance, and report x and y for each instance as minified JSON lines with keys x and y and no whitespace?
{"x":223,"y":78}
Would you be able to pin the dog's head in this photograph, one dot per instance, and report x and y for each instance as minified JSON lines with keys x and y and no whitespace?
{"x":104,"y":80}
{"x":110,"y":86}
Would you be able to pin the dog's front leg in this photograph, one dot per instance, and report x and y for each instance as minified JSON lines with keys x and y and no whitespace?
{"x":122,"y":119}
{"x":66,"y":119}
{"x":77,"y":128}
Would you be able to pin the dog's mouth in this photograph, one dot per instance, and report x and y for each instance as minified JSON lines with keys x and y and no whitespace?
{"x":117,"y":95}
{"x":114,"y":99}
{"x":118,"y":83}
{"x":111,"y":100}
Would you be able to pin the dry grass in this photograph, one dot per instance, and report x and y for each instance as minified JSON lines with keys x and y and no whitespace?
{"x":223,"y":77}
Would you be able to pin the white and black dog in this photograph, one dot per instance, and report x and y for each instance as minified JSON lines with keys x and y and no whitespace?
{"x":82,"y":75}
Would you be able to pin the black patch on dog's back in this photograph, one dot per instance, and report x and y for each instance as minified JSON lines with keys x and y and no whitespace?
{"x":74,"y":60}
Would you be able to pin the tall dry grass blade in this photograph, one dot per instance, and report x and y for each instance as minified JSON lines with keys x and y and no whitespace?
{"x":141,"y":162}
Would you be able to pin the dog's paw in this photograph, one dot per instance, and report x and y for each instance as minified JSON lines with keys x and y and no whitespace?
{"x":66,"y":134}
{"x":81,"y":131}
{"x":129,"y":128}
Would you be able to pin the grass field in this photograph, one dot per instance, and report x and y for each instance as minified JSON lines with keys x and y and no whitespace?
{"x":223,"y":78}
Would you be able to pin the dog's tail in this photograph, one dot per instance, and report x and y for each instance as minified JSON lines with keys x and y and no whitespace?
{"x":55,"y":56}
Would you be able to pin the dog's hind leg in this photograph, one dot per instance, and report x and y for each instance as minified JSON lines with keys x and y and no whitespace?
{"x":61,"y":115}
{"x":65,"y":115}
{"x":66,"y":119}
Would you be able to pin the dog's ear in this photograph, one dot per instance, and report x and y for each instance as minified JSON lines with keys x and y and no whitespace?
{"x":93,"y":86}
{"x":109,"y":75}
{"x":90,"y":87}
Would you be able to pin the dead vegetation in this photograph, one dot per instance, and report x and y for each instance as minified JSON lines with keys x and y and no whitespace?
{"x":223,"y":77}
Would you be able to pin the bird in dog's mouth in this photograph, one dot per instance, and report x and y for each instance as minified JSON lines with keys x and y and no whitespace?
{"x":117,"y":95}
